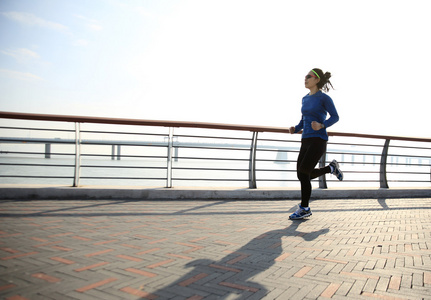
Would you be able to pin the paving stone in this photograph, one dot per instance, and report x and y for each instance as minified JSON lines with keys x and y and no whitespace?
{"x":84,"y":249}
{"x":382,"y":284}
{"x":344,"y":288}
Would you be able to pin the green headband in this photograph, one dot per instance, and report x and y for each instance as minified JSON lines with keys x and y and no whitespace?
{"x":316,"y":74}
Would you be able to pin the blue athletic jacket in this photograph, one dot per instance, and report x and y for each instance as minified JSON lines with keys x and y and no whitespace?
{"x":315,"y":108}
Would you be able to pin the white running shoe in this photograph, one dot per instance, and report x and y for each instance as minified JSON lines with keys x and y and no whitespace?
{"x":337,"y":172}
{"x":301,"y":213}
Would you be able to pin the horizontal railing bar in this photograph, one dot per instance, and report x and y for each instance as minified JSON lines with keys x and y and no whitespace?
{"x":37,"y":129}
{"x":358,"y":163}
{"x":360,"y":172}
{"x":212,"y":137}
{"x":124,"y":178}
{"x":276,"y":160}
{"x":83,"y":142}
{"x":37,"y":176}
{"x":203,"y":125}
{"x":277,"y":180}
{"x":410,"y":147}
{"x":353,"y":153}
{"x":401,"y":172}
{"x":123,"y":167}
{"x":351,"y":180}
{"x":35,"y":153}
{"x":277,"y":150}
{"x":382,"y":137}
{"x":123,"y":132}
{"x":408,"y":165}
{"x":227,"y":159}
{"x":119,"y":121}
{"x":36,"y":140}
{"x":279,"y":141}
{"x":315,"y":180}
{"x":211,"y":148}
{"x":34,"y":165}
{"x":410,"y":181}
{"x":210,"y":158}
{"x":109,"y":143}
{"x":208,"y":169}
{"x":119,"y":144}
{"x":271,"y":170}
{"x":204,"y":147}
{"x":355,"y":144}
{"x":122,"y":156}
{"x":410,"y":156}
{"x":328,"y":152}
{"x":346,"y":172}
{"x":210,"y":179}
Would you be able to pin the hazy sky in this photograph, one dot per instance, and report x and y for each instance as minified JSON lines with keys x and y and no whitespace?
{"x":222,"y":61}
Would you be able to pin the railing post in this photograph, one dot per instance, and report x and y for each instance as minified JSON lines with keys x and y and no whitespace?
{"x":77,"y":174}
{"x":169,"y":166}
{"x":176,"y":149}
{"x":322,"y":179}
{"x":47,"y":150}
{"x":252,"y":162}
{"x":118,"y":152}
{"x":383,"y":161}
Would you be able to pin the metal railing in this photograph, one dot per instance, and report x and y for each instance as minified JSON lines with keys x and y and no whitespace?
{"x":168,"y":153}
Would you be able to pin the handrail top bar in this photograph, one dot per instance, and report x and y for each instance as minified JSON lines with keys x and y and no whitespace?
{"x":139,"y":122}
{"x":164,"y":123}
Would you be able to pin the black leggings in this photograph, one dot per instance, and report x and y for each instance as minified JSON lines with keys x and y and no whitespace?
{"x":311,"y":151}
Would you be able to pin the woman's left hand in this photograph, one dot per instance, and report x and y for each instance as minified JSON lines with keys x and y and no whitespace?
{"x":316,"y":125}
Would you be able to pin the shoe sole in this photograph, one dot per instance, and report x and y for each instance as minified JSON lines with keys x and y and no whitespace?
{"x":340,"y":174}
{"x":305,"y":216}
{"x":337,"y":167}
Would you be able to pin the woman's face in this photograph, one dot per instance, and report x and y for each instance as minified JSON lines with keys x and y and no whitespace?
{"x":311,"y":80}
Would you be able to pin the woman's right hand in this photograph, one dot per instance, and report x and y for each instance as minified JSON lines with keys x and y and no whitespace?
{"x":292,"y":130}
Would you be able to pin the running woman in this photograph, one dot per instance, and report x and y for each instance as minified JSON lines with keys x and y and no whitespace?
{"x":315,"y":107}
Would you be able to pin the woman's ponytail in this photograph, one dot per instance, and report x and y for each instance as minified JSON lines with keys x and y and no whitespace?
{"x":324,"y":82}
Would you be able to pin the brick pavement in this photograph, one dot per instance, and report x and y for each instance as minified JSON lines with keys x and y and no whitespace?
{"x":348,"y":249}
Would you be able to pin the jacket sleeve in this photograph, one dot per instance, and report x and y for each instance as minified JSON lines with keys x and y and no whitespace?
{"x":300,"y":126}
{"x":333,"y":115}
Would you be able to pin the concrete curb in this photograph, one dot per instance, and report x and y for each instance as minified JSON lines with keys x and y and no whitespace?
{"x":9,"y":192}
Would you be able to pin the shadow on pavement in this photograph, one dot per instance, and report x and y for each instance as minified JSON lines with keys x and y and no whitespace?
{"x":233,"y":274}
